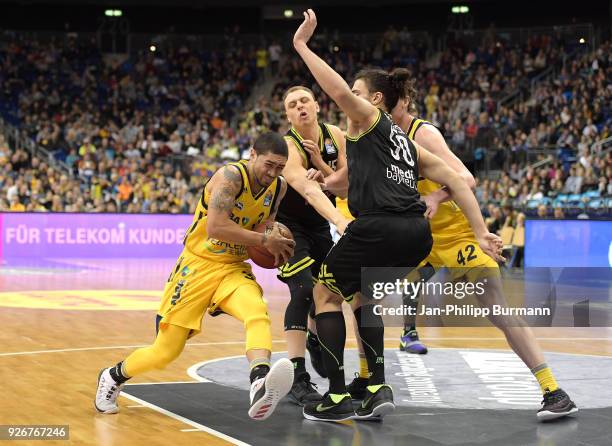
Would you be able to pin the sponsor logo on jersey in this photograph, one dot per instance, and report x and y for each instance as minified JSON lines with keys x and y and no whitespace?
{"x":215,"y":246}
{"x":268,"y":199}
{"x":329,"y":147}
{"x":245,"y":221}
{"x":400,"y":176}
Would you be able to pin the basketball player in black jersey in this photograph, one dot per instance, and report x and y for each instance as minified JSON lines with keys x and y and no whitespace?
{"x":389,"y":229}
{"x":306,"y":210}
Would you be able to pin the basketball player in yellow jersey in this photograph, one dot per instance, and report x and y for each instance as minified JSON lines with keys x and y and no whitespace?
{"x":211,"y":275}
{"x":455,"y":247}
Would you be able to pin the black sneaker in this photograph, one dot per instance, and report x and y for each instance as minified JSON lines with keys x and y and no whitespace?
{"x":331,"y":408}
{"x":357,"y":387}
{"x":377,"y":403}
{"x":316,"y":355}
{"x":556,"y":404}
{"x":303,"y":391}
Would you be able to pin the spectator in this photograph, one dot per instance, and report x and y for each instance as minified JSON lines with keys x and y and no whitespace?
{"x":558,"y":213}
{"x":15,"y":204}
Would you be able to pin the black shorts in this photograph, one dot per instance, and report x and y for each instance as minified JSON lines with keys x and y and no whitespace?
{"x":312,"y":243}
{"x":377,"y":240}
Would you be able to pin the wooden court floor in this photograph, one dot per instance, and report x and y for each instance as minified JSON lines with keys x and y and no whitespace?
{"x":50,"y":357}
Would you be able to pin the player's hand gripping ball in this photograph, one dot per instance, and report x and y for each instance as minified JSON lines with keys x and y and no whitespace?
{"x":261,"y":256}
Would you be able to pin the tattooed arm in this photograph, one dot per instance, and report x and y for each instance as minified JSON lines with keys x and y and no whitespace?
{"x":224,"y":186}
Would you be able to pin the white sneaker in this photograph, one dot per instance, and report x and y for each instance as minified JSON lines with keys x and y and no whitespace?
{"x":268,"y":391}
{"x":107,"y":393}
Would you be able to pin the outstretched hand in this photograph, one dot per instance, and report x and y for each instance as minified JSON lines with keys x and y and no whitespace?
{"x":492,"y":245}
{"x":306,"y":29}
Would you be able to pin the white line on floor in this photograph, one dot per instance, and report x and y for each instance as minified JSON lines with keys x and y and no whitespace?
{"x":199,"y":344}
{"x":199,"y":426}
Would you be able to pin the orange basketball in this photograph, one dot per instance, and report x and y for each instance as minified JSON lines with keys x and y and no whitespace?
{"x":260,"y":255}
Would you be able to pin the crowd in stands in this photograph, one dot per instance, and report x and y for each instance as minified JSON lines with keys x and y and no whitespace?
{"x":142,"y":135}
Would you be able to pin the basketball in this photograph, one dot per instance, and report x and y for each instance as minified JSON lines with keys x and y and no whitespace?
{"x":260,"y":255}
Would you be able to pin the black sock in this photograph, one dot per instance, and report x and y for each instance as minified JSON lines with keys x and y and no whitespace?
{"x":372,"y":334}
{"x":259,"y":371}
{"x":409,"y":320}
{"x":332,"y":337}
{"x":117,"y":374}
{"x":299,"y":367}
{"x":312,"y":339}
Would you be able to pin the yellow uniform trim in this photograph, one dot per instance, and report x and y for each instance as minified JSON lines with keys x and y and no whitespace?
{"x":351,"y":138}
{"x":299,"y":148}
{"x":414,"y":126}
{"x":291,"y":270}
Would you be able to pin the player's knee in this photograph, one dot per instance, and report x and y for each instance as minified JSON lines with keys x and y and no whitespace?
{"x":301,"y":289}
{"x":163,"y":357}
{"x":323,"y":296}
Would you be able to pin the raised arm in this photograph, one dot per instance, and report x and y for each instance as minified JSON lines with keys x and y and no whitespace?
{"x":360,"y":112}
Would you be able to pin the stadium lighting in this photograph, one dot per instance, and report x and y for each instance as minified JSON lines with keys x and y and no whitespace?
{"x":460,"y":9}
{"x":113,"y":13}
{"x":288,"y":13}
{"x":582,"y":40}
{"x":152,"y":48}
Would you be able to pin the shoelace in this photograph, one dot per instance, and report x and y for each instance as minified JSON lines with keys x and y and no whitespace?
{"x":309,"y":384}
{"x":552,"y":397}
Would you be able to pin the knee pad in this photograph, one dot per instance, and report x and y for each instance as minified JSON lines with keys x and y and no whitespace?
{"x":301,"y":302}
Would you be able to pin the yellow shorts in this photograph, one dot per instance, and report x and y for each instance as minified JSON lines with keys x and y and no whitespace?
{"x":197,"y":285}
{"x":462,"y":256}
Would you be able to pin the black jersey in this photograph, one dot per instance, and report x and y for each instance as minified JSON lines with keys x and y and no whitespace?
{"x":383,"y":171}
{"x":294,"y":206}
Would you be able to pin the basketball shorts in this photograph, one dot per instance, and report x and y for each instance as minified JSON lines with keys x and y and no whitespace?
{"x":311,"y":246}
{"x":376,"y":240}
{"x":197,"y":285}
{"x":462,"y":255}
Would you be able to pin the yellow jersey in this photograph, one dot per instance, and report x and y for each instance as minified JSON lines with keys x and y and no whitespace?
{"x":342,"y":206}
{"x":249,"y":211}
{"x":449,"y":219}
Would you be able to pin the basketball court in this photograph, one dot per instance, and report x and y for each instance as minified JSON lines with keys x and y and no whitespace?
{"x":65,"y":319}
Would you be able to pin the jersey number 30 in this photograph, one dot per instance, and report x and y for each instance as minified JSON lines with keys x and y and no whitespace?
{"x":401,"y":145}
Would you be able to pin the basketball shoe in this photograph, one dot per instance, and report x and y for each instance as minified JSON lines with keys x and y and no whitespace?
{"x":266,"y":392}
{"x":377,"y":402}
{"x":410,"y":343}
{"x":107,"y":393}
{"x":556,"y":404}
